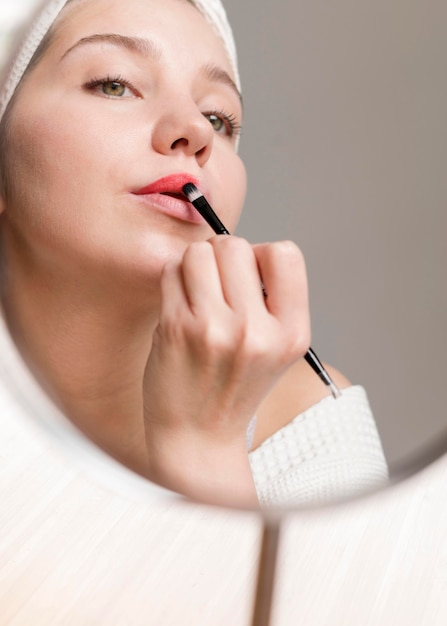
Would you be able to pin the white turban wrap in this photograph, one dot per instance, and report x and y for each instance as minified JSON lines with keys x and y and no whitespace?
{"x":212,"y":10}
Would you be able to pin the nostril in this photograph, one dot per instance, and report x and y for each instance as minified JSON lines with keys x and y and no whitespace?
{"x":179,"y":142}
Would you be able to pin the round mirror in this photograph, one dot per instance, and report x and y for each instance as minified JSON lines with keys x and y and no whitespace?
{"x":344,"y":152}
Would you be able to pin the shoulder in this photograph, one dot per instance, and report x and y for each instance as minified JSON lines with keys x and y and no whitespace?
{"x":295,"y":392}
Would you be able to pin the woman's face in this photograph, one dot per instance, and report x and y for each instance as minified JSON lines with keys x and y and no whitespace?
{"x":127,"y":94}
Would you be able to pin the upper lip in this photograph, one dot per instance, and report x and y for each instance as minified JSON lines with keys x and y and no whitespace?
{"x":171,"y":184}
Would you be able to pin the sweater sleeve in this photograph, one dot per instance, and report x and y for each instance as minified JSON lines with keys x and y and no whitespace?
{"x":329,"y":452}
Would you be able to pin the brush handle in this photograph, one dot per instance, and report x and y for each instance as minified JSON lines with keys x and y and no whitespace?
{"x":208,"y":214}
{"x":199,"y":201}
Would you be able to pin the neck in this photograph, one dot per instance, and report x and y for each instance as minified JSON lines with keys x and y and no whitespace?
{"x":89,"y":354}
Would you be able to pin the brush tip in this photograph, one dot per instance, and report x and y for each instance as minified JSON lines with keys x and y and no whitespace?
{"x":191,"y":191}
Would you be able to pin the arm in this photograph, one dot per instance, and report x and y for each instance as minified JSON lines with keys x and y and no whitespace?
{"x":317,"y":449}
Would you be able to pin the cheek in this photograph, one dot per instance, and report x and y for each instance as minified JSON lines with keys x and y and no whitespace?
{"x":233,"y":192}
{"x":58,"y":159}
{"x":44,"y":182}
{"x":64,"y":146}
{"x":38,"y":150}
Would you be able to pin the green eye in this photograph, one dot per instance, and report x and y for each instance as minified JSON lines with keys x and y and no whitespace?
{"x":113,"y":88}
{"x":216,"y":122}
{"x":223,"y":123}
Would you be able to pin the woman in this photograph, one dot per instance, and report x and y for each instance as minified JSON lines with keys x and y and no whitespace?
{"x":153,"y":336}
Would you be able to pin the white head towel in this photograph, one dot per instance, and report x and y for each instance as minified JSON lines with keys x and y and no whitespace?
{"x":212,"y":10}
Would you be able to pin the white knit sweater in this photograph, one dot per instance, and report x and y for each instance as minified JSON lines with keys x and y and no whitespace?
{"x":330,"y":451}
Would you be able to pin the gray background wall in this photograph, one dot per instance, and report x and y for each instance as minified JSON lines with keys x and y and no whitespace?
{"x":345,"y":140}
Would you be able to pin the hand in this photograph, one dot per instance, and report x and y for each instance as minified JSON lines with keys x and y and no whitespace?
{"x":218,"y":349}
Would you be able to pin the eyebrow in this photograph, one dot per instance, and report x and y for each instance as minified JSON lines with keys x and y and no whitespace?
{"x":214,"y":73}
{"x":147,"y":48}
{"x":143,"y":47}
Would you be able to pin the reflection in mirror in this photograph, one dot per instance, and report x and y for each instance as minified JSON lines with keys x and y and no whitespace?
{"x":149,"y":333}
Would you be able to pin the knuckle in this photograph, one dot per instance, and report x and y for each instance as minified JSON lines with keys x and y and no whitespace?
{"x":237,"y":340}
{"x":253,"y":346}
{"x":217,"y":339}
{"x":299,"y":344}
{"x":296,"y":343}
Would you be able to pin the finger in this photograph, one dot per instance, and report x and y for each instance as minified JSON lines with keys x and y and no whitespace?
{"x":173,"y":296}
{"x":283,"y":273}
{"x":239,"y":273}
{"x":201,"y":278}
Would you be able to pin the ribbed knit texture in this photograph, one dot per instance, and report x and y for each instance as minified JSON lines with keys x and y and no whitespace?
{"x":212,"y":10}
{"x":330,"y":451}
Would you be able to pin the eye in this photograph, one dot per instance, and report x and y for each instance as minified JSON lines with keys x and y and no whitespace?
{"x":216,"y":122}
{"x":223,"y":123}
{"x":112,"y":87}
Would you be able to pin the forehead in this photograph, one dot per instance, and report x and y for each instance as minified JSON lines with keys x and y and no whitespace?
{"x":175,"y":23}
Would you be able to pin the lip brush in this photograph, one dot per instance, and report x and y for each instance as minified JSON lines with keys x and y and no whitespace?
{"x":199,"y":201}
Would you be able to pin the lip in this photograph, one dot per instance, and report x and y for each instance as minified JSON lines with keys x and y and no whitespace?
{"x":166,"y":195}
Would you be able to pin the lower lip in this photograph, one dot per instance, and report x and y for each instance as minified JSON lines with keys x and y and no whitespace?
{"x":174,"y":207}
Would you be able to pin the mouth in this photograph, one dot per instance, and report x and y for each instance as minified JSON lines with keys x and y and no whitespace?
{"x":179,"y":196}
{"x":166,"y":195}
{"x":170,"y":185}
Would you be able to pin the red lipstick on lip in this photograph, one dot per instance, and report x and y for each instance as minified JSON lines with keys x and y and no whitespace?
{"x":169,"y":184}
{"x":166,"y":196}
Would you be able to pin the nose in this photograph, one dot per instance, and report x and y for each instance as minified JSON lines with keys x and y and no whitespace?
{"x":181,"y":127}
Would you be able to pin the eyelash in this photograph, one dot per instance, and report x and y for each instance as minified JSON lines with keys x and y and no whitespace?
{"x":229,"y":120}
{"x":98,"y":82}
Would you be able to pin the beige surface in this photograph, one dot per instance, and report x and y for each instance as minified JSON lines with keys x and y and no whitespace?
{"x":75,"y":552}
{"x":380,"y":562}
{"x":72,"y":552}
